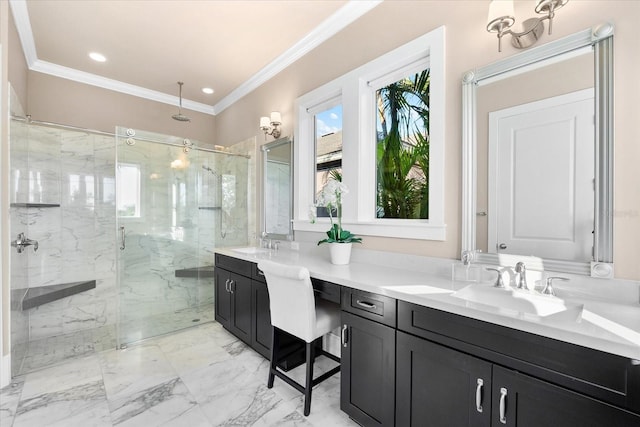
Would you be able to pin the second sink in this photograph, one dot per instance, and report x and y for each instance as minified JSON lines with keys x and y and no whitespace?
{"x":516,"y":302}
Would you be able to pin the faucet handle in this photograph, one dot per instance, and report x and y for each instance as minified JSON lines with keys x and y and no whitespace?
{"x":499,"y":282}
{"x":548,"y":289}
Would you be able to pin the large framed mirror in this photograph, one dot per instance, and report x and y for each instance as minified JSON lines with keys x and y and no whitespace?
{"x":277,"y":194}
{"x":537,"y":164}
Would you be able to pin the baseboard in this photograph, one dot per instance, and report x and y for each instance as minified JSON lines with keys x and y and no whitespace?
{"x":5,"y":370}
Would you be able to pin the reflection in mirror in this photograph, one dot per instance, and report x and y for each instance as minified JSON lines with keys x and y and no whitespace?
{"x":536,"y":160}
{"x":536,"y":156}
{"x":277,"y":189}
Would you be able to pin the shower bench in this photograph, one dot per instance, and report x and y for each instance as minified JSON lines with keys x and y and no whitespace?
{"x":37,"y":296}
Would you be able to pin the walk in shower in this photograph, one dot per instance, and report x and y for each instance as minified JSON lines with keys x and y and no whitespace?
{"x":125,"y":225}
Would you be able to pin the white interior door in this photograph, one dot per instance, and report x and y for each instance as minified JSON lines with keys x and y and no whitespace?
{"x":541,"y":178}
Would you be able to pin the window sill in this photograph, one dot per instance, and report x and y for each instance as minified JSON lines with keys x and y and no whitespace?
{"x":399,"y":229}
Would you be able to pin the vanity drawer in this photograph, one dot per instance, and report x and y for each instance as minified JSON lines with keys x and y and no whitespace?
{"x":371,"y":306}
{"x":236,"y":265}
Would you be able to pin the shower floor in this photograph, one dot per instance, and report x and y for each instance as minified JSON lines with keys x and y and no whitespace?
{"x":152,"y":326}
{"x":50,"y":351}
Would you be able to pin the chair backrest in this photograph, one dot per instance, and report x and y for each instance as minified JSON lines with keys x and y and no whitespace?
{"x":291,"y":299}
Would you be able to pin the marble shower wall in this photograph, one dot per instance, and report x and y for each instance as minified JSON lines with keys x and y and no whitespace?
{"x":191,"y":203}
{"x":74,"y":172}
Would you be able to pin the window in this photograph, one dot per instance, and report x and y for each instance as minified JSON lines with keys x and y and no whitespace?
{"x":392,"y":144}
{"x":328,"y":143}
{"x":129,"y":190}
{"x":402,"y":148}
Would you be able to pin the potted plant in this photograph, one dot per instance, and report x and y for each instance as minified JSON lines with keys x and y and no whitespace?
{"x":338,"y":238}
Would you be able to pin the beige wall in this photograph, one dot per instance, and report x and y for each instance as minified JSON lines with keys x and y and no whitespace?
{"x":17,"y":65}
{"x":53,"y":99}
{"x":468,"y":46}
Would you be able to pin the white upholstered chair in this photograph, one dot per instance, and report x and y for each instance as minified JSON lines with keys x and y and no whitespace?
{"x":295,"y":311}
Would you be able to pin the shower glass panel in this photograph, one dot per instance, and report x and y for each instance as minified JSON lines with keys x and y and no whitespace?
{"x":170,"y":206}
{"x":62,"y":195}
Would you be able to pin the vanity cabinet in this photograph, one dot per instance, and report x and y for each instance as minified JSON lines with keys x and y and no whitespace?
{"x":457,"y":371}
{"x":367,"y":377}
{"x":529,"y":402}
{"x":233,"y":303}
{"x":441,"y":385}
{"x":261,"y":335}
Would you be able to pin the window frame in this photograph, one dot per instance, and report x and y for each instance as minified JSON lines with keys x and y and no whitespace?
{"x":356,"y":91}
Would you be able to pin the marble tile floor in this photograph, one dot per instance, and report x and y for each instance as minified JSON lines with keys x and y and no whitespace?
{"x":201,"y":376}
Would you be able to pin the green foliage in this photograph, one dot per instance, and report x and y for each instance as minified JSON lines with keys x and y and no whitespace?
{"x":338,"y":235}
{"x":403,"y":165}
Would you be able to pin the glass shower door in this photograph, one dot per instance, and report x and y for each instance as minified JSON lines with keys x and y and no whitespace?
{"x":162,"y":283}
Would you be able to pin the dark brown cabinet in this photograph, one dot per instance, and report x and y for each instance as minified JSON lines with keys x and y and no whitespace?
{"x":438,"y":386}
{"x":522,"y":401}
{"x":233,"y":303}
{"x":449,"y":373}
{"x":261,"y":336}
{"x":367,"y":377}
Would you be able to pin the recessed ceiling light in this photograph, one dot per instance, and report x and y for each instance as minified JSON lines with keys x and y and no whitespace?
{"x":98,"y":57}
{"x":207,"y":90}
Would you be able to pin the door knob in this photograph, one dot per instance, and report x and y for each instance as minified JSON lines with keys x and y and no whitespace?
{"x":502,"y":246}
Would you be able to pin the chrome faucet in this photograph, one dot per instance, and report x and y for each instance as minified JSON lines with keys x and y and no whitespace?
{"x":22,"y":242}
{"x":521,"y":276}
{"x":548,"y":289}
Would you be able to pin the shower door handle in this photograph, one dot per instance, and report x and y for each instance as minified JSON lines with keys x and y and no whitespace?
{"x":122,"y":238}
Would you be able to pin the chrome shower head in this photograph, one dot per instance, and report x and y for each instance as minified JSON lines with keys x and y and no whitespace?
{"x":180,"y":117}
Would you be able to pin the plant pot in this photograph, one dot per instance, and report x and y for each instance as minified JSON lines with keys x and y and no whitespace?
{"x":340,"y":253}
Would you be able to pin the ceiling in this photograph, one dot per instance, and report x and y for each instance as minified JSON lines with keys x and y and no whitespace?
{"x":229,"y":46}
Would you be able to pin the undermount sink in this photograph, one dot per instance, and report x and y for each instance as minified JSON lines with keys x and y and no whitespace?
{"x":251,"y":250}
{"x":519,"y":303}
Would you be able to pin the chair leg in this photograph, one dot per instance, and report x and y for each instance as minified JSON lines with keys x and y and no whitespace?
{"x":274,"y":356}
{"x":309,"y":384}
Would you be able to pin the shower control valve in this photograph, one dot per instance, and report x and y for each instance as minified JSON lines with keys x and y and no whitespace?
{"x":22,"y":242}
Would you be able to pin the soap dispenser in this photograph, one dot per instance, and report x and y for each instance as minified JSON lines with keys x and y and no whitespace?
{"x":465,"y":270}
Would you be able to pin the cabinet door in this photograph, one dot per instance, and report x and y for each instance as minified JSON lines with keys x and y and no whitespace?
{"x":222,"y":297}
{"x":261,"y":335}
{"x":523,"y":401}
{"x":240,"y":324}
{"x":440,"y":387}
{"x":367,"y":379}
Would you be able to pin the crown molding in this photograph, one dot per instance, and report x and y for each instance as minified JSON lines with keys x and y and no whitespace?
{"x":23,"y":25}
{"x":117,"y":86}
{"x":353,"y":10}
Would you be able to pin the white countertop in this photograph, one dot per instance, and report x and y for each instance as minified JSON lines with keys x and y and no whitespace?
{"x":609,"y":321}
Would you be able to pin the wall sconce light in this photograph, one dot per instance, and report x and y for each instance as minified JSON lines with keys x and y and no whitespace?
{"x":502,"y":17}
{"x":271,"y":126}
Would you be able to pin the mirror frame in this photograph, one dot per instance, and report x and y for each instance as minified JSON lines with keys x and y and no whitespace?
{"x":265,"y":149}
{"x":601,"y":39}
